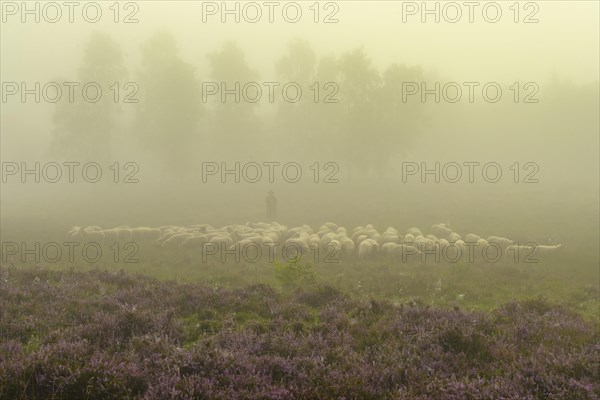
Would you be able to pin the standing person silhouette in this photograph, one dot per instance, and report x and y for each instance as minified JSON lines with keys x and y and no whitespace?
{"x":271,"y":207}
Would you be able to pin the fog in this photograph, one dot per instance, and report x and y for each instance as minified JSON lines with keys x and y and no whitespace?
{"x":371,"y":135}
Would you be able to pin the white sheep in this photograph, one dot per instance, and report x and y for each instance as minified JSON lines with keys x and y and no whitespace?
{"x":222,"y":240}
{"x":500,"y":241}
{"x":328,"y":237}
{"x":406,"y":253}
{"x":347,"y":245}
{"x":376,"y":236}
{"x":531,"y":253}
{"x":166,"y":235}
{"x":256,"y":239}
{"x":88,"y":234}
{"x":391,"y":239}
{"x":247,"y":235}
{"x":358,"y":233}
{"x":471,"y":238}
{"x":143,"y":233}
{"x":301,"y":248}
{"x":367,"y":249}
{"x":331,"y":226}
{"x":548,"y":249}
{"x":481,"y":243}
{"x":478,"y":249}
{"x":176,"y":239}
{"x":454,"y":251}
{"x":453,"y":237}
{"x":423,"y":241}
{"x":441,"y":230}
{"x":391,"y":230}
{"x":341,"y":231}
{"x":242,"y":245}
{"x":76,"y":233}
{"x":314,"y":240}
{"x":273,"y":235}
{"x":196,"y":240}
{"x":460,"y":243}
{"x":361,"y":239}
{"x":333,"y":250}
{"x":293,"y":232}
{"x":92,"y":234}
{"x":125,"y":233}
{"x":387,"y":248}
{"x":401,"y":252}
{"x":365,"y":242}
{"x":269,"y":241}
{"x":425,"y":245}
{"x":414,"y":231}
{"x":203,"y":227}
{"x":110,"y":235}
{"x":74,"y":230}
{"x":322,"y":233}
{"x":307,"y":229}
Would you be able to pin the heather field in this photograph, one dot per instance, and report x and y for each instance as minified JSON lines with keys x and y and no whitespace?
{"x":300,"y":200}
{"x":70,"y":333}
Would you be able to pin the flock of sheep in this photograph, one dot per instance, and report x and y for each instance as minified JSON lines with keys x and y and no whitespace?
{"x":364,"y":242}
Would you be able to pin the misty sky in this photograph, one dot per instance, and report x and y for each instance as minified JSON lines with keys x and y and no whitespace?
{"x":561,"y":133}
{"x":565,"y":41}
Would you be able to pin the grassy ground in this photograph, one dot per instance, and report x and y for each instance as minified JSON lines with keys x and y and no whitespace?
{"x":471,"y":286}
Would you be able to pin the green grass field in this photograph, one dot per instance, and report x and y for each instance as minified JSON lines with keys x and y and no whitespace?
{"x":470,"y":286}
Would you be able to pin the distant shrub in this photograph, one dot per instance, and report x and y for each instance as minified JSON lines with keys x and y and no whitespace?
{"x":294,"y":274}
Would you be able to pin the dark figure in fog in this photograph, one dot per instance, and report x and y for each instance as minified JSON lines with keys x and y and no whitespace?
{"x":271,"y":206}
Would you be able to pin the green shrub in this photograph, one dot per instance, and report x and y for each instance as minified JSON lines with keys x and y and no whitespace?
{"x":294,"y":274}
